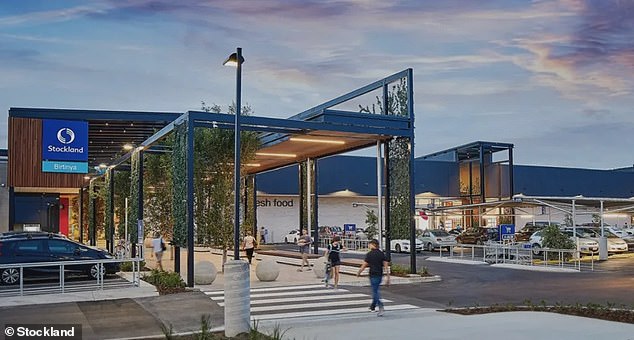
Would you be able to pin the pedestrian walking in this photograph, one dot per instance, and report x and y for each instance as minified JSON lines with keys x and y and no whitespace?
{"x":158,"y":248}
{"x":304,"y":247}
{"x":332,"y":254}
{"x":377,"y":262}
{"x":248,"y":245}
{"x":263,"y":233}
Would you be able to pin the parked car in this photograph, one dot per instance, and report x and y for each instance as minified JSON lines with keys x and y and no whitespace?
{"x":402,"y":245}
{"x":615,"y":243}
{"x":586,"y":245}
{"x":330,"y":231}
{"x":475,"y":235}
{"x":524,"y":234}
{"x":292,"y":236}
{"x":437,"y":238}
{"x":455,"y":232}
{"x":360,"y":234}
{"x":25,"y":247}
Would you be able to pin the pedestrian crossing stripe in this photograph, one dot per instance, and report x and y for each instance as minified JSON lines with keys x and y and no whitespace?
{"x":273,"y":303}
{"x":303,"y":299}
{"x":304,"y":292}
{"x":269,"y":289}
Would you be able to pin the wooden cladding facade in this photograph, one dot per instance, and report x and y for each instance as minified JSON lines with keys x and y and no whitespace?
{"x":25,"y":158}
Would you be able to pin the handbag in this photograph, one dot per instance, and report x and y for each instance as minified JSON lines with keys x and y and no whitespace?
{"x":163,"y":247}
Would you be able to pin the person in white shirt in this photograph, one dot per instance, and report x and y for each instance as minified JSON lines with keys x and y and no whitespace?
{"x":249,"y":245}
{"x":158,"y":244}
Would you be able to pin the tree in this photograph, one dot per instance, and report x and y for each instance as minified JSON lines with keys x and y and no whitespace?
{"x":398,"y":162}
{"x":213,"y":180}
{"x":371,"y":222}
{"x":157,"y":191}
{"x":554,"y":238}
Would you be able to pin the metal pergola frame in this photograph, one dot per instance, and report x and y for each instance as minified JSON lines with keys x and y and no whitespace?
{"x":318,"y":118}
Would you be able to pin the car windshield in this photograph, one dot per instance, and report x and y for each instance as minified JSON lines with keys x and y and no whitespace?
{"x":440,"y":233}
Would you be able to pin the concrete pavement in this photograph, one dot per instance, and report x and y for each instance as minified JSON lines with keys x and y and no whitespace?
{"x":430,"y":324}
{"x":139,"y":313}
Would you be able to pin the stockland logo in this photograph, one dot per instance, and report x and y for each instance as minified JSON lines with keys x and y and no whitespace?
{"x":64,"y":140}
{"x":65,"y":135}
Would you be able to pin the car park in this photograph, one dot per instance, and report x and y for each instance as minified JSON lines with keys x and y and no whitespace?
{"x":615,"y":243}
{"x":360,"y":234}
{"x":586,"y":245}
{"x":455,"y":232}
{"x":475,"y":235}
{"x":36,"y":247}
{"x":524,"y":234}
{"x":402,"y":245}
{"x":437,"y":238}
{"x":330,"y":231}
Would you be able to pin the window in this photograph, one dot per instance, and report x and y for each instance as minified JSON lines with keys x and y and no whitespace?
{"x":61,"y":247}
{"x":29,"y":246}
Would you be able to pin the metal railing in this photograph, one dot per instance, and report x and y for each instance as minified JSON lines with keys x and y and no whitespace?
{"x":520,"y":254}
{"x":97,"y":281}
{"x":349,"y":243}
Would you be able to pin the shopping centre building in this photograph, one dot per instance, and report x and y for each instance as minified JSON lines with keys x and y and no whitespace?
{"x":55,"y":156}
{"x":347,"y":189}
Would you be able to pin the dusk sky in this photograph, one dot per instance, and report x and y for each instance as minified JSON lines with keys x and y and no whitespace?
{"x":555,"y":78}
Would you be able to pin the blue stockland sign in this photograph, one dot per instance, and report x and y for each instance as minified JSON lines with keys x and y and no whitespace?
{"x":64,"y":140}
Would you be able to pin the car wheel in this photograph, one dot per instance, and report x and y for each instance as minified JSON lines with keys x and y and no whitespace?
{"x":398,"y":248}
{"x":430,"y":247}
{"x":94,"y":270}
{"x":10,"y":276}
{"x":536,"y":249}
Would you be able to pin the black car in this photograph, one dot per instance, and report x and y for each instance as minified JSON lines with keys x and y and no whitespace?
{"x":30,"y":247}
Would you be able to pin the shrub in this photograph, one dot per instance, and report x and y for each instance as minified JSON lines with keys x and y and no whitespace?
{"x":552,"y":237}
{"x":165,"y":282}
{"x":127,"y":266}
{"x":401,"y":270}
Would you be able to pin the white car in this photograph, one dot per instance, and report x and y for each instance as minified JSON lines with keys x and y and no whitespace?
{"x":360,"y":234}
{"x":586,"y":245}
{"x":402,"y":245}
{"x":437,"y":238}
{"x":615,"y":243}
{"x":292,"y":236}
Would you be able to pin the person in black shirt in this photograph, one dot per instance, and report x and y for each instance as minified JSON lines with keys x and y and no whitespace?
{"x":376,"y":260}
{"x":332,"y":254}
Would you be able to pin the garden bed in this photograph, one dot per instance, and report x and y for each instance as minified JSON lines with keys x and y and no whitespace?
{"x":609,"y":312}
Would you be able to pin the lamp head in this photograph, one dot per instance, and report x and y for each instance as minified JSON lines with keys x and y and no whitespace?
{"x":233,"y":60}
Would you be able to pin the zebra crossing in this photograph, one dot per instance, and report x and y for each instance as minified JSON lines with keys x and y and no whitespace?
{"x":274,"y":303}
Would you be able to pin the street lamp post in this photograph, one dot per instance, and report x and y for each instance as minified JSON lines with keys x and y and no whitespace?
{"x":236,"y":59}
{"x":237,"y":296}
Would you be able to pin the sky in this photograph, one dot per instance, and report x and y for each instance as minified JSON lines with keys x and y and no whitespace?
{"x":555,"y":78}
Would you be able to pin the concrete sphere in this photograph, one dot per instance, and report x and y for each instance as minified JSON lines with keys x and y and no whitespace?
{"x":204,"y":273}
{"x":319,"y":267}
{"x":267,"y":270}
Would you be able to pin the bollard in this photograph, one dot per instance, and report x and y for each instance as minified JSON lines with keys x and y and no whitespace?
{"x":603,"y":248}
{"x":237,"y":298}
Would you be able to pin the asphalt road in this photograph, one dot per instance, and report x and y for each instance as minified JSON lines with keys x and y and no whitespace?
{"x":463,"y":285}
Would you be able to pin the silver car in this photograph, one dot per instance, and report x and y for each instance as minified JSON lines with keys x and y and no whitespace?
{"x":615,"y":243}
{"x":586,"y":245}
{"x":437,"y":238}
